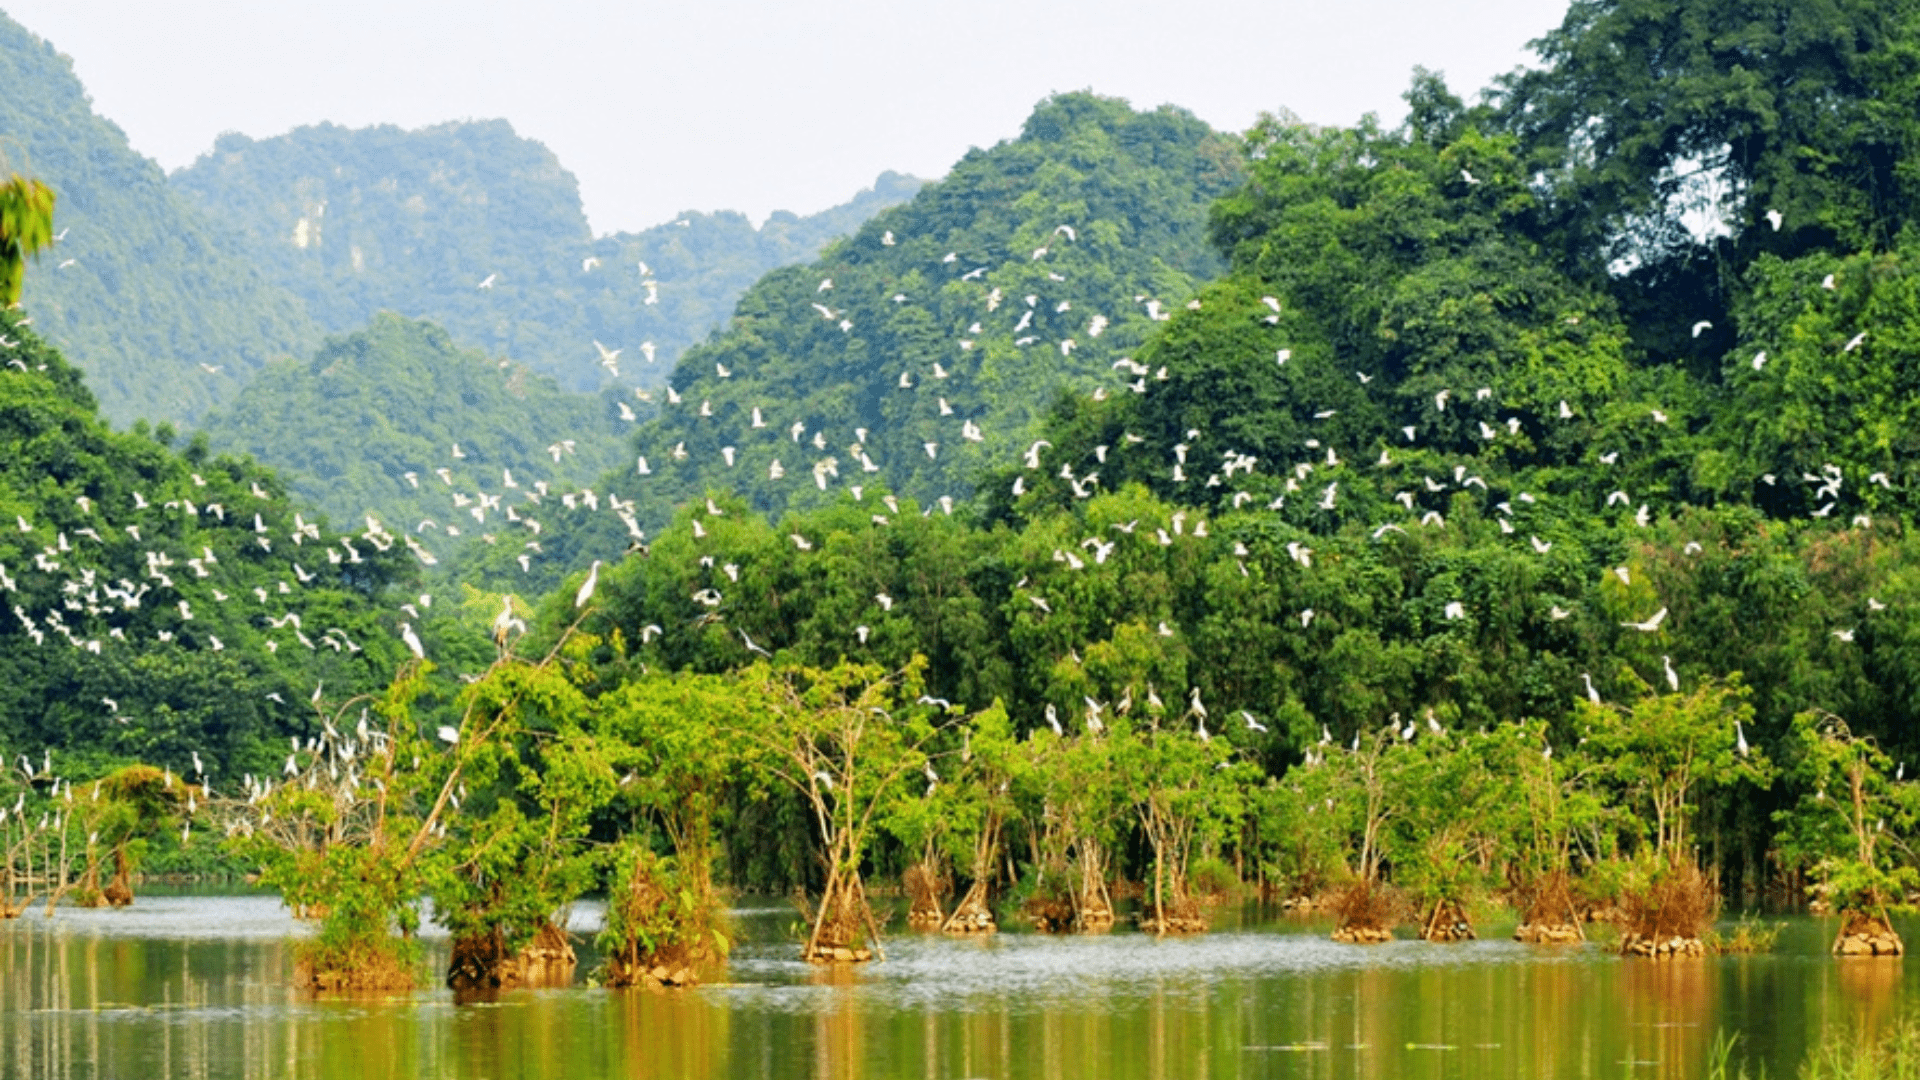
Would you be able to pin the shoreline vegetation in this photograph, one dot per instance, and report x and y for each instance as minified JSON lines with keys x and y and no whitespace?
{"x":1461,"y":525}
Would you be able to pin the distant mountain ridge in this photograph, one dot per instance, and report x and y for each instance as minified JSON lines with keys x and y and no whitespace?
{"x":171,"y":293}
{"x":482,"y":231}
{"x":144,"y":292}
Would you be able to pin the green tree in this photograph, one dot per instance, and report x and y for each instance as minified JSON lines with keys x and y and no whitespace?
{"x":26,"y":228}
{"x":1846,"y":824}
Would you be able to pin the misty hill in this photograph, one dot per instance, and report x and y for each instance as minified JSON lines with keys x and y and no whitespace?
{"x":143,"y":292}
{"x":397,"y":397}
{"x":356,"y":221}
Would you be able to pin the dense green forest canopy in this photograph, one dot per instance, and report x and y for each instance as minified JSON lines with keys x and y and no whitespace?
{"x":398,"y":422}
{"x":483,"y":232}
{"x":141,"y":289}
{"x":162,"y":600}
{"x":927,"y":346}
{"x":1313,"y":447}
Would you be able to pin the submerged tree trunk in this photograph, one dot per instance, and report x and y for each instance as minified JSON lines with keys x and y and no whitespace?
{"x":482,"y":962}
{"x":973,"y":915}
{"x":924,"y":886}
{"x":844,"y":918}
{"x":1550,"y":917}
{"x":120,"y":890}
{"x":1175,"y":910}
{"x":1366,"y":914}
{"x":659,"y":931}
{"x":1092,"y":903}
{"x":86,"y":891}
{"x":1447,"y":922}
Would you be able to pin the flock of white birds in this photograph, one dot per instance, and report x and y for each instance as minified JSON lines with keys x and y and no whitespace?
{"x":511,"y":513}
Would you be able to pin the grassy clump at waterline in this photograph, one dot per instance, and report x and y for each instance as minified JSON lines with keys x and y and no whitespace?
{"x":1749,"y":935}
{"x":1849,"y":1053}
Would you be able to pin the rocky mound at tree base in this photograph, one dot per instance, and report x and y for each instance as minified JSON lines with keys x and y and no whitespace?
{"x":1093,"y":921}
{"x":1173,"y":924}
{"x":480,"y":962}
{"x":1549,"y":934}
{"x":660,"y":976}
{"x":1867,"y":935}
{"x":1362,"y":935}
{"x":1870,"y":945}
{"x":1665,"y":949}
{"x":838,"y":954}
{"x":971,"y":922}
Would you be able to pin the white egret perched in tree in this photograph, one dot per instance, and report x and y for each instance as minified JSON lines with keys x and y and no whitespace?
{"x":1673,"y":677}
{"x":586,"y":587}
{"x":413,"y":643}
{"x":1592,"y":694}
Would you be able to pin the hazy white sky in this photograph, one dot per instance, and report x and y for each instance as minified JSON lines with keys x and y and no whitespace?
{"x":749,"y":104}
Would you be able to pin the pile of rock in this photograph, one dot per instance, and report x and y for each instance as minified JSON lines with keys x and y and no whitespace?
{"x":838,"y":954}
{"x":1664,"y":949}
{"x":1448,"y":932}
{"x":926,"y":918}
{"x":660,"y":976}
{"x":1298,"y":905}
{"x":1549,"y":934}
{"x":1173,"y":924}
{"x":1362,"y":935}
{"x":1093,"y":921}
{"x":1870,"y":941}
{"x":970,"y":922}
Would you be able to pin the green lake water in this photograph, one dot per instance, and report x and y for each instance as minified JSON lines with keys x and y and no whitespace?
{"x":197,"y":986}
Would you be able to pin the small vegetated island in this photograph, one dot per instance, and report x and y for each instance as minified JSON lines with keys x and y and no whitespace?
{"x":1511,"y":507}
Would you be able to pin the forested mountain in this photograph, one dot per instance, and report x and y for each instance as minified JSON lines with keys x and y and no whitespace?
{"x":1448,"y":439}
{"x":928,"y":345}
{"x":162,"y":600}
{"x":1172,"y":467}
{"x":367,"y":425}
{"x":482,"y":231}
{"x":143,"y":291}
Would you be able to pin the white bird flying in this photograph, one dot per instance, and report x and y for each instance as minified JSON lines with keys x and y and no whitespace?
{"x":1650,"y":625}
